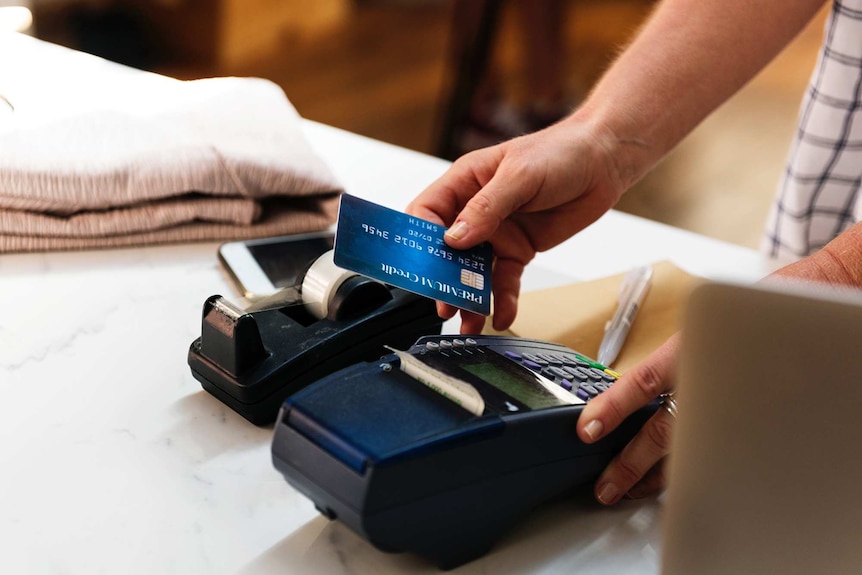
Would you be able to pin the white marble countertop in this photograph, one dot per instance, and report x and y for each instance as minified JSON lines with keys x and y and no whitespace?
{"x":114,"y":460}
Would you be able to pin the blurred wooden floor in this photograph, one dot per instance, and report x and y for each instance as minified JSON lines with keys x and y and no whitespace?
{"x":383,"y":74}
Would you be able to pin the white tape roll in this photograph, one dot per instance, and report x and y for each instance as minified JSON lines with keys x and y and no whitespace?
{"x":321,"y":282}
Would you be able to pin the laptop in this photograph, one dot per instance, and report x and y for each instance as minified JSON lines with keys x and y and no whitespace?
{"x":765,"y":472}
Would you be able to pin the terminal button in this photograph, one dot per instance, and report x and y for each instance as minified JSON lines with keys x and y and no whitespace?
{"x":589,"y":389}
{"x":535,"y":358}
{"x":576,"y":373}
{"x":557,"y":372}
{"x":595,"y":374}
{"x":550,"y":358}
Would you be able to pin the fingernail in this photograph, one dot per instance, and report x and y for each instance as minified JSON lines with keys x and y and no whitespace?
{"x":458,"y":231}
{"x":594,"y":429}
{"x":607,"y":493}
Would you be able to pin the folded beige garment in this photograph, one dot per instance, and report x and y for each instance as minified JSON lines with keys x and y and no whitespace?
{"x":161,"y":161}
{"x":575,"y":315}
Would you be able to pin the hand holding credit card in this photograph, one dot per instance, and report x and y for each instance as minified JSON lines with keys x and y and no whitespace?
{"x":409,"y":253}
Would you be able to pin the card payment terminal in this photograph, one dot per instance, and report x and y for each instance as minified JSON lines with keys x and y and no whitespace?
{"x":440,"y":449}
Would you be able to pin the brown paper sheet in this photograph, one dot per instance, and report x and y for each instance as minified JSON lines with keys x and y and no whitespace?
{"x":575,"y":314}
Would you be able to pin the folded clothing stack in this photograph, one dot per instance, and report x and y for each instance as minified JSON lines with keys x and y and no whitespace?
{"x":155,"y":161}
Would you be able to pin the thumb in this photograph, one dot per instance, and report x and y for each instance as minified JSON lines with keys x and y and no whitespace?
{"x":482,"y":215}
{"x":636,"y":388}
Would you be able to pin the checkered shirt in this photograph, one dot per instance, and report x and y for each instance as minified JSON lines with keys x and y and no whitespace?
{"x":818,"y":197}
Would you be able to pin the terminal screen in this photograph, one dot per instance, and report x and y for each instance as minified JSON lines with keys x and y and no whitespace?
{"x":530,"y":392}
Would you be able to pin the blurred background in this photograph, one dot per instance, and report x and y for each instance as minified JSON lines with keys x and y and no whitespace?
{"x":445,"y":76}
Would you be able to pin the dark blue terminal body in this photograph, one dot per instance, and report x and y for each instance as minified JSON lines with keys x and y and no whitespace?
{"x":410,"y":469}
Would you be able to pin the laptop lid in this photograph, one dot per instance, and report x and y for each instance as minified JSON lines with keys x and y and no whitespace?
{"x":765,"y":474}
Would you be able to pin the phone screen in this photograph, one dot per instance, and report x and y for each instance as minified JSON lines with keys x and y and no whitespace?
{"x":263,"y":266}
{"x":283,"y":262}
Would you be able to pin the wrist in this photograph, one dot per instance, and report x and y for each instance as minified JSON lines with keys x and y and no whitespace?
{"x":627,"y":154}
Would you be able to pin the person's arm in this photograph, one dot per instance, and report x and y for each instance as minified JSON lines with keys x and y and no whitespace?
{"x":638,"y":469}
{"x":533,"y":192}
{"x":838,"y":263}
{"x":689,"y":58}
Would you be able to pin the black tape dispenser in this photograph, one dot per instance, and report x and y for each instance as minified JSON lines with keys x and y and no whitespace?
{"x":253,"y":359}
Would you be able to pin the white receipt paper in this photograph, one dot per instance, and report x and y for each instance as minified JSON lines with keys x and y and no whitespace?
{"x":450,"y":387}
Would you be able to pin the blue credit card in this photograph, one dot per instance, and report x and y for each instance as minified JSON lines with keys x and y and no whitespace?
{"x":409,"y":253}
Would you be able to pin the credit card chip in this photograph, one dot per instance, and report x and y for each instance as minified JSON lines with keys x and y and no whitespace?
{"x":472,"y":279}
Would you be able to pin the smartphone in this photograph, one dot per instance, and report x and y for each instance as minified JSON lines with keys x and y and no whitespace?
{"x":263,"y":266}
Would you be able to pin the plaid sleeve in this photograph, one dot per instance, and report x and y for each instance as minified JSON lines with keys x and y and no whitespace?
{"x":817,"y":198}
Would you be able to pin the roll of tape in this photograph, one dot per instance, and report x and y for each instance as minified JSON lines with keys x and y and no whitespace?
{"x":320,"y":284}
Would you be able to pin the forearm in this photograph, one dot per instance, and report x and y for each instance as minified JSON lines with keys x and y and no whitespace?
{"x":690,"y":56}
{"x":838,"y":263}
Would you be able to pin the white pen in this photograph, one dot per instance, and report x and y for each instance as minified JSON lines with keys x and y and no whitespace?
{"x":632,"y":293}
